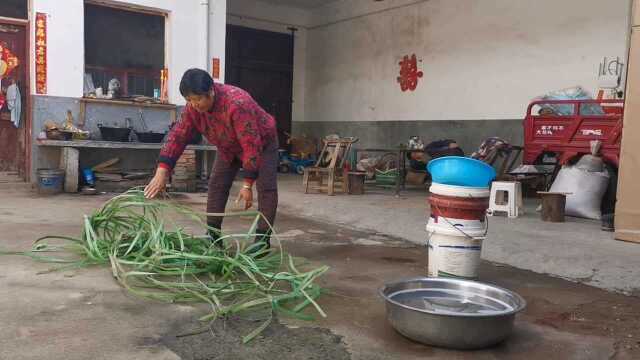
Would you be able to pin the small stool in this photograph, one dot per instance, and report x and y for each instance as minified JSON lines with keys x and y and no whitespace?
{"x":512,"y":205}
{"x":553,"y":204}
{"x":356,"y":182}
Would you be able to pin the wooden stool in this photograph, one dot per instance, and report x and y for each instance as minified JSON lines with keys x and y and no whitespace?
{"x":553,"y":204}
{"x":356,"y":182}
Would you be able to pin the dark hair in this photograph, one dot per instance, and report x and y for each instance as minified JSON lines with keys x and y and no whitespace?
{"x":195,"y":82}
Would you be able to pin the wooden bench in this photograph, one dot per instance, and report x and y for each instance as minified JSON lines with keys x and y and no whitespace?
{"x":70,"y":155}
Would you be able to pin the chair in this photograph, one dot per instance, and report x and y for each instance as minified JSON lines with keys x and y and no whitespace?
{"x":512,"y":205}
{"x":509,"y":157}
{"x":330,"y":166}
{"x":493,"y":149}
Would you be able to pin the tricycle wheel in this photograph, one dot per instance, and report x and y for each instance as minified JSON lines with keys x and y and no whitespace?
{"x":283,"y":168}
{"x":300,"y":169}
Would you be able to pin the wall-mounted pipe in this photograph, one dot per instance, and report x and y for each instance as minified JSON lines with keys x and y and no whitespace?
{"x":207,"y":22}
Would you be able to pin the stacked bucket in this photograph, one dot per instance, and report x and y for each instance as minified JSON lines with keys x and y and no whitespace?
{"x":458,"y":224}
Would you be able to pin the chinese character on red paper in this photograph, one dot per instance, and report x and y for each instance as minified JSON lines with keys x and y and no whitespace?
{"x":409,"y":73}
{"x":41,"y":53}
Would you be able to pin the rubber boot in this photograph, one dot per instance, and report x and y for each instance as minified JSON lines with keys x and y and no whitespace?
{"x":214,"y":236}
{"x":261,"y":243}
{"x":608,"y":223}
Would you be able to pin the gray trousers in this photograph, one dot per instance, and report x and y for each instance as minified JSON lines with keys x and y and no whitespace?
{"x":222,"y":178}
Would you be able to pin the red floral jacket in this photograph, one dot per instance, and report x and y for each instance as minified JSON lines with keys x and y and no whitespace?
{"x":236,"y":125}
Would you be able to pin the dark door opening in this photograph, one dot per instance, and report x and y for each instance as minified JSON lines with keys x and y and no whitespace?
{"x":261,"y":63}
{"x":13,"y":96}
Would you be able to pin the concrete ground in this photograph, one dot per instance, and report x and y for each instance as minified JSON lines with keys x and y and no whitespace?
{"x":84,"y":314}
{"x":576,"y":250}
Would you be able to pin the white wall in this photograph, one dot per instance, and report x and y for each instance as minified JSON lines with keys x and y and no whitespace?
{"x":186,"y":40}
{"x":259,"y":15}
{"x":65,"y":46}
{"x":482,"y":59}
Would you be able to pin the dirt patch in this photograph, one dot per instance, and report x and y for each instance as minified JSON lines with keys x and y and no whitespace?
{"x":223,"y":340}
{"x":614,"y":319}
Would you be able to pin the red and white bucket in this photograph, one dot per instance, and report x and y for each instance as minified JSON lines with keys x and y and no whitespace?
{"x":459,"y":202}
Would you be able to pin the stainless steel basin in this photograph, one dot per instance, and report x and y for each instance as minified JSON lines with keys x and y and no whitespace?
{"x":451,"y":313}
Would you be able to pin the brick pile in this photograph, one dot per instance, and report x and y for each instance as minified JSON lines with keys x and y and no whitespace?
{"x":184,"y":173}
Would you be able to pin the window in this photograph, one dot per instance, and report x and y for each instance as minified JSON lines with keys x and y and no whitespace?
{"x":14,"y":9}
{"x":125,"y":45}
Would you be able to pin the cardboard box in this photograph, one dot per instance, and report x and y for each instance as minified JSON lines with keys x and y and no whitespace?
{"x":628,"y":205}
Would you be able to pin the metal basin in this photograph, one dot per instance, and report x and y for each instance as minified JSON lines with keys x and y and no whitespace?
{"x":451,"y":313}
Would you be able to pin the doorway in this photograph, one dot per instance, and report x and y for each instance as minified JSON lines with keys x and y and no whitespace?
{"x":13,"y":98}
{"x":261,"y":63}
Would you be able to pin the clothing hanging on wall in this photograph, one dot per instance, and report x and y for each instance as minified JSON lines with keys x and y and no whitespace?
{"x":14,"y":103}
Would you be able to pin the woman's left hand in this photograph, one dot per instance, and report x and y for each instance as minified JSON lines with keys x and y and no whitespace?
{"x":245,"y":195}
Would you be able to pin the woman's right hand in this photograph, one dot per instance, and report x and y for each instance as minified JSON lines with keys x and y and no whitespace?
{"x":157,"y":184}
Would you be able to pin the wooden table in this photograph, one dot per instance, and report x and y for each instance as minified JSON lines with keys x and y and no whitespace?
{"x":402,"y":163}
{"x":70,"y":156}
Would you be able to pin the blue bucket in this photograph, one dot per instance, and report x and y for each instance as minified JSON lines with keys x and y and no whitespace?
{"x":461,"y":171}
{"x":50,"y":181}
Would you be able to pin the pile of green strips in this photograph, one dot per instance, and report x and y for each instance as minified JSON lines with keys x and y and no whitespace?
{"x":152,"y":256}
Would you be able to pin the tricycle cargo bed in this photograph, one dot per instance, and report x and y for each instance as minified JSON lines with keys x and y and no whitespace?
{"x":565,"y":129}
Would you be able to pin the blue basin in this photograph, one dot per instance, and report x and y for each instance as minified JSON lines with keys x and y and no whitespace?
{"x":461,"y":171}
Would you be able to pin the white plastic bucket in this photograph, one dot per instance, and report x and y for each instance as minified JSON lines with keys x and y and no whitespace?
{"x":459,"y":191}
{"x":453,"y":256}
{"x":457,"y":227}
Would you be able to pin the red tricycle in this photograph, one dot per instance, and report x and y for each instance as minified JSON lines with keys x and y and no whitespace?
{"x":557,"y":131}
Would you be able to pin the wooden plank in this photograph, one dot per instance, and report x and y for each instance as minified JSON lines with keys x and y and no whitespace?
{"x":116,"y":145}
{"x":627,"y":219}
{"x":83,"y":114}
{"x":108,"y":176}
{"x":127,"y":103}
{"x":129,"y":7}
{"x":13,"y":21}
{"x":174,"y":116}
{"x":628,"y":236}
{"x":106,"y":164}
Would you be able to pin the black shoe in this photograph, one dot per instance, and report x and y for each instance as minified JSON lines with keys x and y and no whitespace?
{"x":608,"y":223}
{"x":214,"y":236}
{"x":261,"y":244}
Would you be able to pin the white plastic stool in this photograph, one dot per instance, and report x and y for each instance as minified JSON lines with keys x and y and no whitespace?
{"x":512,"y":205}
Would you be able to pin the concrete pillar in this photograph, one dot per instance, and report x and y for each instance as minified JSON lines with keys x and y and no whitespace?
{"x":70,"y":162}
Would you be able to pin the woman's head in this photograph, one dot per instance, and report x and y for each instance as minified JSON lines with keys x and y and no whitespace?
{"x":197,"y":88}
